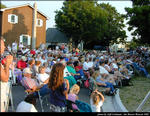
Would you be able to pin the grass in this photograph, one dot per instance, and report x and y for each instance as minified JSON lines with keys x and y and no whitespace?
{"x":132,"y":96}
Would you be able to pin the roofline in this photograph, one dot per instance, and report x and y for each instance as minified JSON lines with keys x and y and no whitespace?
{"x":22,"y":6}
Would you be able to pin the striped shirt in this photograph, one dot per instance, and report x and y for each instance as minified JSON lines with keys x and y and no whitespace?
{"x":29,"y":83}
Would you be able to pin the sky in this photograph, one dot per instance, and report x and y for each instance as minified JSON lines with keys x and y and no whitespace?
{"x":49,"y":8}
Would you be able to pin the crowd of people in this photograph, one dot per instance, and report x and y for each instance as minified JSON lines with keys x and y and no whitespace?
{"x":60,"y":74}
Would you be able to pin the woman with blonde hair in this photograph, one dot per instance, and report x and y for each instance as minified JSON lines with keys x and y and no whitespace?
{"x":58,"y":88}
{"x":101,"y":82}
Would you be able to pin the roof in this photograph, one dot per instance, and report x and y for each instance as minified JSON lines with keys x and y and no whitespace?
{"x":53,"y":35}
{"x":23,"y":6}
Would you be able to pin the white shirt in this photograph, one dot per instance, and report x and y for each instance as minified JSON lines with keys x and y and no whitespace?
{"x":42,"y":78}
{"x":14,"y":46}
{"x":85,"y":66}
{"x":25,"y":51}
{"x":21,"y":46}
{"x":114,"y":65}
{"x":107,"y":66}
{"x":4,"y":90}
{"x":94,"y":107}
{"x":90,"y":64}
{"x":42,"y":60}
{"x":66,"y":72}
{"x":103,"y":70}
{"x":57,"y":47}
{"x":25,"y":107}
{"x":9,"y":48}
{"x":48,"y":70}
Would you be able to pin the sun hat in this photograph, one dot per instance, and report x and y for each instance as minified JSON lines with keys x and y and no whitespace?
{"x":27,"y":70}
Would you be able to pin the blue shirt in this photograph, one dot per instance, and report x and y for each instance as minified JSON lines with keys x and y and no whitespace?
{"x":57,"y":97}
{"x":98,"y":80}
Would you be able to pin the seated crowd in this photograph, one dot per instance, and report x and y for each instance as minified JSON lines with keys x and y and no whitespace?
{"x":61,"y":74}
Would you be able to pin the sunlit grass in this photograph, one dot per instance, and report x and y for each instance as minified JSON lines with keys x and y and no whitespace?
{"x":132,"y":96}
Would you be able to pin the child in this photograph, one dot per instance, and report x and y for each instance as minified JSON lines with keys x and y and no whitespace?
{"x":96,"y":101}
{"x":72,"y":96}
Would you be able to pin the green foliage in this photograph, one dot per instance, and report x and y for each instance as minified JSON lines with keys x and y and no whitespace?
{"x":139,"y":20}
{"x":2,"y":6}
{"x":141,"y":2}
{"x":90,"y":22}
{"x":115,"y":24}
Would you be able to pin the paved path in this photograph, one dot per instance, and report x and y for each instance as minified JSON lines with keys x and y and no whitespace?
{"x":19,"y":95}
{"x":108,"y":105}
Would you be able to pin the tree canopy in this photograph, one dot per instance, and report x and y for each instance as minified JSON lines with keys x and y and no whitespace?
{"x":90,"y":22}
{"x":2,"y":6}
{"x":139,"y":20}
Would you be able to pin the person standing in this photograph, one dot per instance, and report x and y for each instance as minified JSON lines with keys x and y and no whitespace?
{"x":14,"y":47}
{"x":4,"y":74}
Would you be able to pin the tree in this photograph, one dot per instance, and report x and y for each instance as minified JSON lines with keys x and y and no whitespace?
{"x":2,"y":6}
{"x":115,"y":29}
{"x":139,"y":20}
{"x":90,"y":22}
{"x":82,"y":20}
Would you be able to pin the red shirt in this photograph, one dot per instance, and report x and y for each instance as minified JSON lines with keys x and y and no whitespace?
{"x":32,"y":52}
{"x":21,"y":64}
{"x":79,"y":67}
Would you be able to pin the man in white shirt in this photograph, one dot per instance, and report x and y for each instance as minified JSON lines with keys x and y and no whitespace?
{"x":103,"y":71}
{"x":114,"y":65}
{"x":43,"y":59}
{"x":14,"y":47}
{"x":21,"y":45}
{"x":42,"y":77}
{"x":106,"y":74}
{"x":90,"y":63}
{"x":85,"y":65}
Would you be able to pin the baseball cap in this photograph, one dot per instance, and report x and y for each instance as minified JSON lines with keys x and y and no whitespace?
{"x":27,"y":70}
{"x":23,"y":58}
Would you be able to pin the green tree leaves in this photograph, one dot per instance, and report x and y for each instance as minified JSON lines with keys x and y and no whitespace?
{"x":2,"y":6}
{"x":90,"y":22}
{"x":139,"y":18}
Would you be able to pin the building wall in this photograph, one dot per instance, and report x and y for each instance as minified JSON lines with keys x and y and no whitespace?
{"x":12,"y":32}
{"x":41,"y":31}
{"x":0,"y":23}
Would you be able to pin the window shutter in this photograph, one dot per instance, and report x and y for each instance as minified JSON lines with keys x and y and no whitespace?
{"x":16,"y":19}
{"x":29,"y":40}
{"x":21,"y":39}
{"x":9,"y":18}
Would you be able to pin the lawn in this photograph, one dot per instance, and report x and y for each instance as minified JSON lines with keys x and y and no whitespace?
{"x":132,"y":96}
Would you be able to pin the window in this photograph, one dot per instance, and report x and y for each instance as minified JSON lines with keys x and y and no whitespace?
{"x":25,"y":39}
{"x":39,"y":22}
{"x":12,"y":18}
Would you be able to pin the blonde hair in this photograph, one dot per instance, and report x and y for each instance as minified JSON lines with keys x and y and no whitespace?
{"x":75,"y":89}
{"x":95,"y":74}
{"x":37,"y":62}
{"x":40,"y":68}
{"x":95,"y":98}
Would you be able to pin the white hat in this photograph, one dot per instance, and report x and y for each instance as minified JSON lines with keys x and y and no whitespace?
{"x":27,"y":70}
{"x":23,"y":58}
